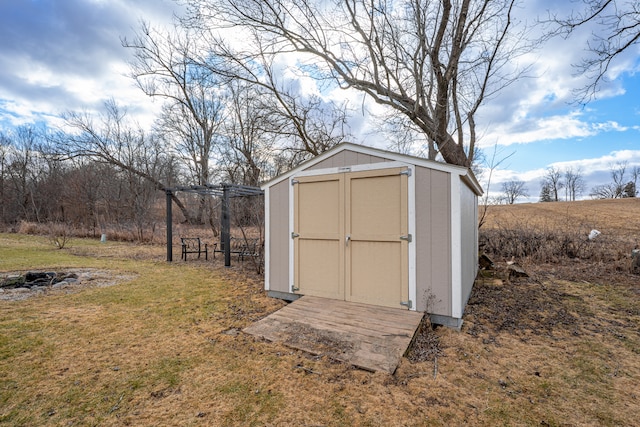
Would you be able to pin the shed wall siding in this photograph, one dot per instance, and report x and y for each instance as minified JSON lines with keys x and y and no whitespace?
{"x":347,"y":158}
{"x":433,"y":241}
{"x":279,"y":237}
{"x":469,"y":213}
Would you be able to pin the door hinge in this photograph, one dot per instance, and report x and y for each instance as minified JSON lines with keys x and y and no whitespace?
{"x":408,"y":238}
{"x":408,"y":304}
{"x":294,"y":288}
{"x":294,"y":181}
{"x":406,"y":172}
{"x":294,"y":235}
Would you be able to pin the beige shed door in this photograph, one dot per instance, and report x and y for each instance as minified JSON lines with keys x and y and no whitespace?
{"x":351,"y":241}
{"x":319,"y":226}
{"x":376,"y":220}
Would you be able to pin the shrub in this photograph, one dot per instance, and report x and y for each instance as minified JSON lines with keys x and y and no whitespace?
{"x":59,"y":234}
{"x":550,"y":245}
{"x":27,"y":227}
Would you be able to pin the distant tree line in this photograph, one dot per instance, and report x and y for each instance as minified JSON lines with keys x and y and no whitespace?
{"x":569,"y":184}
{"x":556,"y":181}
{"x":38,"y":186}
{"x":104,"y":169}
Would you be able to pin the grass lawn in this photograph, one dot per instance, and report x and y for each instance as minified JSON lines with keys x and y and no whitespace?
{"x":164,"y":347}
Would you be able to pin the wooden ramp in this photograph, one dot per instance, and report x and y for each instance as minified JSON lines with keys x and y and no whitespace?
{"x":369,"y":337}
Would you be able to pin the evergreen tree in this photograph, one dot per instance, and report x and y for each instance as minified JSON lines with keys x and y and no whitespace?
{"x":629,"y":190}
{"x":545,"y":193}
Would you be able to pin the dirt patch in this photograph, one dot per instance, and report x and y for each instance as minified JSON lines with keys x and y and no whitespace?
{"x":425,"y":345}
{"x":555,"y":301}
{"x":86,"y":277}
{"x":521,"y":305}
{"x":323,"y":342}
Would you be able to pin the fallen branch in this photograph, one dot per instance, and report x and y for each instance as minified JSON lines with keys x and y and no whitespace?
{"x":435,"y":367}
{"x":117,"y":405}
{"x":307,"y":370}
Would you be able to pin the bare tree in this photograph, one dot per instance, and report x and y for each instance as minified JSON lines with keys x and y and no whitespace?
{"x":574,"y":183}
{"x":635,"y":174}
{"x":118,"y":143}
{"x":193,"y":114}
{"x":308,"y":125}
{"x":617,"y":30}
{"x":618,"y":188}
{"x":246,"y":133}
{"x":513,"y":190}
{"x":435,"y":62}
{"x":304,"y":125}
{"x":85,"y":199}
{"x":4,"y":154}
{"x":51,"y":188}
{"x":402,"y":135}
{"x":553,"y":180}
{"x":603,"y":191}
{"x":23,"y":168}
{"x":618,"y":171}
{"x":491,"y":166}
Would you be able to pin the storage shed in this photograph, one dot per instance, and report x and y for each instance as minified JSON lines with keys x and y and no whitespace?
{"x":366,"y":225}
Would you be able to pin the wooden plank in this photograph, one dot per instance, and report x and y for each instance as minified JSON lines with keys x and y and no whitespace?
{"x":348,"y":310}
{"x":369,"y":319}
{"x":367,"y":355}
{"x":374,"y":318}
{"x":362,"y":325}
{"x":369,"y":337}
{"x":336,"y":324}
{"x":362,"y":322}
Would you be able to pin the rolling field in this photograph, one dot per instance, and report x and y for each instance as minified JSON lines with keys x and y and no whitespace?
{"x":610,"y":216}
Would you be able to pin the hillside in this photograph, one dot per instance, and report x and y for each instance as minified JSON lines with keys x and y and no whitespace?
{"x":611,"y":217}
{"x":556,"y":235}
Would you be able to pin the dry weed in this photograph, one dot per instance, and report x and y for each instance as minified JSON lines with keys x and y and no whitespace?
{"x":556,"y":232}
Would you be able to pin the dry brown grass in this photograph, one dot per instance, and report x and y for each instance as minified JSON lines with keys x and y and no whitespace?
{"x":610,"y":216}
{"x":558,"y":348}
{"x":155,"y":234}
{"x":557,"y":232}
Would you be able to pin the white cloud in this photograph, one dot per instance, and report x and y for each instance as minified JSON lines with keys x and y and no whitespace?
{"x":588,"y":166}
{"x":603,"y":163}
{"x":528,"y":130}
{"x":67,"y":56}
{"x":595,"y":171}
{"x":536,"y":129}
{"x":539,"y":106}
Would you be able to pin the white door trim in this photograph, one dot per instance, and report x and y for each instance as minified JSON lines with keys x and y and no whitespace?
{"x":267,"y":240}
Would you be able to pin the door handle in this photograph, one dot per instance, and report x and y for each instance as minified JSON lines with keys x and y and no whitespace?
{"x":347,"y":240}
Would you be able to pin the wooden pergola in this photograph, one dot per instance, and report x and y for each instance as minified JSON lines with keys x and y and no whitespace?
{"x":226,"y":191}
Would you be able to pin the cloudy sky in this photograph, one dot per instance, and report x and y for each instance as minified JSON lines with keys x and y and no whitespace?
{"x":66,"y":55}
